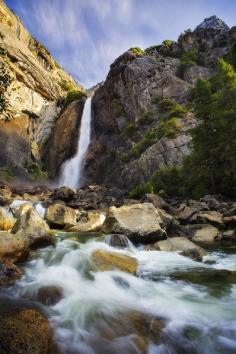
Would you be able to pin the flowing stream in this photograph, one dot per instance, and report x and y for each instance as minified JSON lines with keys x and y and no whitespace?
{"x":196,"y":301}
{"x":72,"y":169}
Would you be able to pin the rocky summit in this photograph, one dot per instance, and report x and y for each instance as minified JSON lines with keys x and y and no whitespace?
{"x":117,"y":203}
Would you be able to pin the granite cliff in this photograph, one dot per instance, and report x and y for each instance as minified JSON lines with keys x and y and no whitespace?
{"x":141,"y":116}
{"x":32,"y":87}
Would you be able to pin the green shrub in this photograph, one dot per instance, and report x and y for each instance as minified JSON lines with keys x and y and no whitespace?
{"x":5,"y":80}
{"x":140,"y":190}
{"x":118,"y":108}
{"x":168,"y":179}
{"x":169,"y":128}
{"x":35,"y":172}
{"x":4,"y":107}
{"x":168,"y":42}
{"x":66,"y":85}
{"x":112,"y":154}
{"x":128,"y":130}
{"x":155,"y":99}
{"x":73,"y":96}
{"x":149,"y":139}
{"x":3,"y":51}
{"x":188,"y":59}
{"x":137,"y":50}
{"x":145,"y":118}
{"x":230,"y":57}
{"x":166,"y":105}
{"x":125,"y":157}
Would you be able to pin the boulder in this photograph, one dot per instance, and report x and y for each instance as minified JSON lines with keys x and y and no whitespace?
{"x":158,"y":202}
{"x":13,"y":248}
{"x":32,"y":227}
{"x":7,"y":220}
{"x":60,"y":215}
{"x":207,"y":234}
{"x":9,"y":273}
{"x":25,"y":331}
{"x":212,"y":217}
{"x":179,"y":244}
{"x":21,"y":209}
{"x":117,"y":240}
{"x":229,"y":220}
{"x":229,"y":235}
{"x":107,"y":260}
{"x":187,"y":214}
{"x":139,"y":222}
{"x":95,"y":221}
{"x":212,"y":202}
{"x":63,"y":193}
{"x":49,"y":295}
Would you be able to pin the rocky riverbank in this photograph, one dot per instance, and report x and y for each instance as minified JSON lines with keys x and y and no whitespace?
{"x":32,"y":218}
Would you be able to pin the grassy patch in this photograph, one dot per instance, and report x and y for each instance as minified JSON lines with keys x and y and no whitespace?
{"x":35,"y":172}
{"x":73,"y":96}
{"x":137,"y":50}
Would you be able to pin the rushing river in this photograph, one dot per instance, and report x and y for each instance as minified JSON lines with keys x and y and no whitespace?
{"x":196,"y":301}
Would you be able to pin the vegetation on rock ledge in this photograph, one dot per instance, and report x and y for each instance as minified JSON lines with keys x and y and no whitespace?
{"x":211,"y":168}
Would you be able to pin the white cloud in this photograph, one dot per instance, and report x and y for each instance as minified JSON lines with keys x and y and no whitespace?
{"x":86,"y":36}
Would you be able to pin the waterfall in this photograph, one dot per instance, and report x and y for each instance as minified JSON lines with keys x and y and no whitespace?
{"x":72,"y":169}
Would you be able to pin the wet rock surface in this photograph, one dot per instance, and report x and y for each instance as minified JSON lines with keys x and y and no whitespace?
{"x":107,"y":260}
{"x":25,"y":331}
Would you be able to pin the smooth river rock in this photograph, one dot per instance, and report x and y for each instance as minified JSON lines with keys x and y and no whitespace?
{"x":107,"y":260}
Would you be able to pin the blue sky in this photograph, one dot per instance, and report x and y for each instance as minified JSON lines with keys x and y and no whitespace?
{"x":85,"y":36}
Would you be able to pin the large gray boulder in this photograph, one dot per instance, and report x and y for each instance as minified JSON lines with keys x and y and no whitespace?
{"x":139,"y":222}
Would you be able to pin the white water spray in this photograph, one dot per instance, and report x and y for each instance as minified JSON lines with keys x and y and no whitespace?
{"x":72,"y":169}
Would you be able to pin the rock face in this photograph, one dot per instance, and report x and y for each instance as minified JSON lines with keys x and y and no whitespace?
{"x":139,"y":222}
{"x":64,"y":137}
{"x":212,"y":22}
{"x":127,"y":145}
{"x":106,"y":260}
{"x":31,"y":85}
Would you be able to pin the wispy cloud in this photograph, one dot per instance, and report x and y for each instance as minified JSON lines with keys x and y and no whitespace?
{"x":85,"y":36}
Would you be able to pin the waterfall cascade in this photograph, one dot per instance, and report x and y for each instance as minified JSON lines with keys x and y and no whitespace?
{"x":72,"y":169}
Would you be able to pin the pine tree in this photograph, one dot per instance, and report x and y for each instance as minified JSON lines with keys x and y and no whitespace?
{"x":211,"y":168}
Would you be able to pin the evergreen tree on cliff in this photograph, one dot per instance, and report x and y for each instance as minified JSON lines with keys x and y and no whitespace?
{"x":212,"y":165}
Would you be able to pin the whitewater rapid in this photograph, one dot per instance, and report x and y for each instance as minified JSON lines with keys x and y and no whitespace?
{"x":72,"y":169}
{"x":197,"y":319}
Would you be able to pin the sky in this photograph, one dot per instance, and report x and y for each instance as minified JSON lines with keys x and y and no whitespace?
{"x":85,"y":36}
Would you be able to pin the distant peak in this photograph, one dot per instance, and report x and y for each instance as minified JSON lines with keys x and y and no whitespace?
{"x":212,"y":22}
